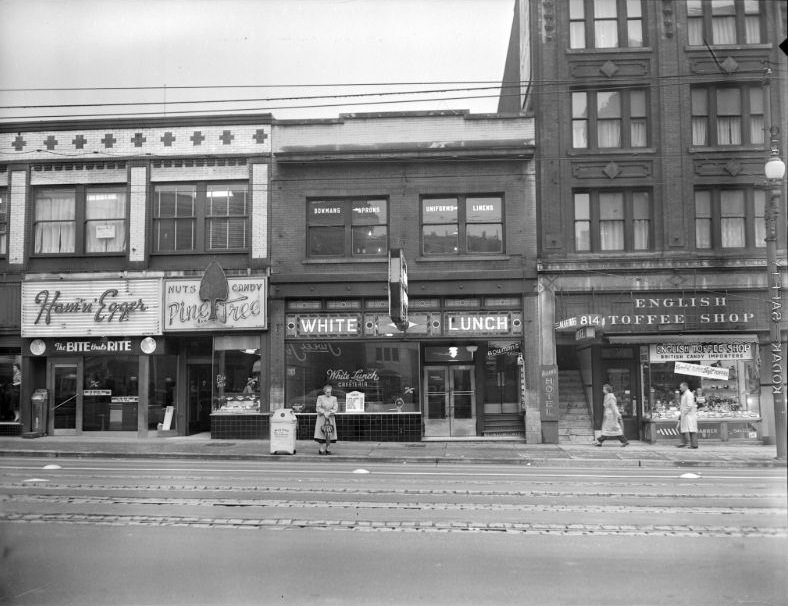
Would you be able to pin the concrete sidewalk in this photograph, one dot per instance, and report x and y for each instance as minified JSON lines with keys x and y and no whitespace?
{"x":201,"y":446}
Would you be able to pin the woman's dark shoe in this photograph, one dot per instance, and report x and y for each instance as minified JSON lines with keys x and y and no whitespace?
{"x":625,"y":444}
{"x":597,"y":444}
{"x":328,"y":452}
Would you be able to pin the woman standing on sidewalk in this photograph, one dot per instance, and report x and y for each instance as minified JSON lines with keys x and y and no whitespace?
{"x":326,"y":424}
{"x":611,"y":422}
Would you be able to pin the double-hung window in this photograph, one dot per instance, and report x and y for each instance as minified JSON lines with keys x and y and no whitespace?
{"x":617,"y":220}
{"x":347,"y":228}
{"x":727,"y":115}
{"x":77,"y":220}
{"x":605,"y":23}
{"x":718,"y":22}
{"x":200,"y":217}
{"x":609,"y":119}
{"x":729,"y":218}
{"x":3,"y":222}
{"x":462,"y":225}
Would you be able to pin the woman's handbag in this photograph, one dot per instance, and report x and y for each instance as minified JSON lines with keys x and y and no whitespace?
{"x":328,"y":428}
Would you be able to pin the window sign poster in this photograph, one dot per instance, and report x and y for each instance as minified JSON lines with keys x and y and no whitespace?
{"x":105,"y":232}
{"x":354,"y":401}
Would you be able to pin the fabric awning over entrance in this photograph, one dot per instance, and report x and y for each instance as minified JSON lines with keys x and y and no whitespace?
{"x":702,"y":338}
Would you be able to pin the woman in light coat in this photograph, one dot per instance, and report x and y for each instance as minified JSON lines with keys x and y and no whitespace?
{"x":326,"y":407}
{"x":688,"y":418}
{"x":611,"y":421}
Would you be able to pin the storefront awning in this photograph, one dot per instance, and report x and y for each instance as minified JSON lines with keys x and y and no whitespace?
{"x":694,"y":338}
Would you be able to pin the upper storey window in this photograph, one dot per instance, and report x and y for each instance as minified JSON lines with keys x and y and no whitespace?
{"x":462,"y":225}
{"x":200,"y":217}
{"x":719,"y":22}
{"x":347,"y":228}
{"x":605,"y":23}
{"x":90,"y":220}
{"x":609,"y":119}
{"x":727,"y":115}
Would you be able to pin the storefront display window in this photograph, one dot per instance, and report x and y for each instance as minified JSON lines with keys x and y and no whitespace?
{"x":110,"y":393}
{"x":236,"y":372}
{"x":386,"y":374}
{"x":724,"y":378}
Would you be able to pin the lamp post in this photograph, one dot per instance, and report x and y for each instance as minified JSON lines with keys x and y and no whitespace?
{"x":775,"y":171}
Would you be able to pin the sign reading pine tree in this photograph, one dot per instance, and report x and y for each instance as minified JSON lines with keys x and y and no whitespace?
{"x":214,"y":287}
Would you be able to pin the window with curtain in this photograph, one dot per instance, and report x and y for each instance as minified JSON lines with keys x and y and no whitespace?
{"x":728,"y":115}
{"x":729,"y":218}
{"x":201,"y":217}
{"x":720,"y":22}
{"x":613,"y":220}
{"x":606,"y":24}
{"x":462,"y":225}
{"x":105,"y":220}
{"x":3,"y":222}
{"x":580,"y":120}
{"x":54,"y":221}
{"x":347,"y":227}
{"x":87,"y":220}
{"x":609,"y":119}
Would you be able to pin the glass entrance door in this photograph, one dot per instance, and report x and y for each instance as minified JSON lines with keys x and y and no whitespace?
{"x":450,"y":401}
{"x":65,"y":385}
{"x":199,"y":394}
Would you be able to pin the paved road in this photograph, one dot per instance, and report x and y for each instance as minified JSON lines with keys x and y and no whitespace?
{"x":172,"y":531}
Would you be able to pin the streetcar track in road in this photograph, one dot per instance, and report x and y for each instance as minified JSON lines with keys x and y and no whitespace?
{"x":516,"y":528}
{"x":609,"y":492}
{"x":423,"y":506}
{"x":475,"y":472}
{"x":52,"y":484}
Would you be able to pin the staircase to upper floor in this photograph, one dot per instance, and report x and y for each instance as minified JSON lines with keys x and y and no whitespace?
{"x":575,"y":424}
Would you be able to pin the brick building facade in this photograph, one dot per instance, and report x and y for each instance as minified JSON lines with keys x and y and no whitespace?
{"x":653,"y":127}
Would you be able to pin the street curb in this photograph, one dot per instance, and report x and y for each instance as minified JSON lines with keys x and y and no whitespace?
{"x":429,"y":460}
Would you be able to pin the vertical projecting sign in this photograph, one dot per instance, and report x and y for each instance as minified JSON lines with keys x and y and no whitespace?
{"x":398,"y":288}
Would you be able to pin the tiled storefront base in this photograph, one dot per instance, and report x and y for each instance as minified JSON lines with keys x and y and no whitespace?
{"x":240,"y":427}
{"x":708,"y":429}
{"x":368,"y":427}
{"x":10,"y":429}
{"x":393,"y":427}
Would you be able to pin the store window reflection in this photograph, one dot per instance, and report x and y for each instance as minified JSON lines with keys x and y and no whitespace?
{"x":386,"y":373}
{"x":236,"y":371}
{"x":110,"y":393}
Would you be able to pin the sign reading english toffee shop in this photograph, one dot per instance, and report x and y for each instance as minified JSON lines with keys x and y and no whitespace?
{"x":652,"y":312}
{"x":242,"y":308}
{"x":99,"y":308}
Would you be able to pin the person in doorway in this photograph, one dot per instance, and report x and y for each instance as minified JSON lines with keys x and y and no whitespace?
{"x":687,"y":425}
{"x":16,"y":386}
{"x":612,"y":426}
{"x":326,"y":424}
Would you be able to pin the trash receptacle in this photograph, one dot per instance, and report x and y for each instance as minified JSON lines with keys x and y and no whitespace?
{"x":39,"y":406}
{"x":283,"y":431}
